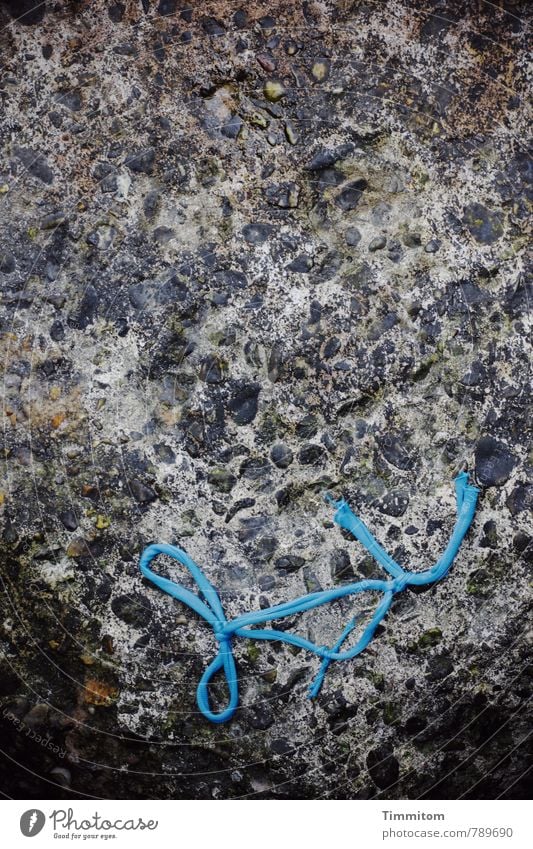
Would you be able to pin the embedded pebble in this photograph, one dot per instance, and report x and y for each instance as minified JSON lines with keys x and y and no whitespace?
{"x":320,"y":70}
{"x":281,"y":456}
{"x":377,"y":243}
{"x":273,"y":90}
{"x":494,"y":462}
{"x":352,"y":236}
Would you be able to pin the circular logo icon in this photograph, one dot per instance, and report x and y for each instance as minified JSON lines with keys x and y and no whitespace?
{"x":32,"y":822}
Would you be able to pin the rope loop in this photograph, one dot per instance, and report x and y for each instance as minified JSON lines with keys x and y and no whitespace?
{"x":207,"y":603}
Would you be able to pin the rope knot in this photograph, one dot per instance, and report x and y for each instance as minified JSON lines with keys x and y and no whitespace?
{"x":400,"y":583}
{"x":219,"y":630}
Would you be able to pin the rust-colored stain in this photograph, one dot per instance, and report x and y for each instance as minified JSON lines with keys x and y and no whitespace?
{"x":99,"y":693}
{"x":58,"y":420}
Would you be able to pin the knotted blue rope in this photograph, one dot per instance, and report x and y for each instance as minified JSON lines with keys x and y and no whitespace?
{"x":208,"y":604}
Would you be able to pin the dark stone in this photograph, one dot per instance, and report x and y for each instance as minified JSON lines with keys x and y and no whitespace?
{"x":281,"y":455}
{"x":251,"y":527}
{"x":102,"y":238}
{"x":476,"y":376}
{"x":315,"y":314}
{"x":267,"y":22}
{"x":311,"y":454}
{"x":439,"y":667}
{"x":57,"y":331}
{"x":134,"y":609}
{"x":494,"y":462}
{"x":221,"y":479}
{"x":383,"y":767}
{"x":167,"y":7}
{"x":230,"y":279}
{"x":243,"y":404}
{"x":164,"y":453}
{"x":351,"y":194}
{"x":265,"y":548}
{"x":88,"y":308}
{"x":412,"y":240}
{"x":490,"y":535}
{"x":289,"y":563}
{"x":7,"y":261}
{"x":341,"y":567}
{"x":332,"y":347}
{"x":70,"y":100}
{"x":141,"y":493}
{"x":254,"y":468}
{"x":212,"y":27}
{"x":151,"y":204}
{"x":163,"y":235}
{"x":35,"y":164}
{"x":484,"y":225}
{"x":125,"y":48}
{"x":262,"y":717}
{"x":284,"y":496}
{"x":281,"y":746}
{"x":352,"y":236}
{"x":26,"y":12}
{"x":520,"y":499}
{"x":312,"y":584}
{"x":395,"y":450}
{"x":232,"y":128}
{"x":307,"y":427}
{"x":275,"y":362}
{"x":138,"y":295}
{"x":326,"y":158}
{"x":212,"y":370}
{"x":142,"y":161}
{"x":116,"y":12}
{"x":523,"y":543}
{"x":242,"y":504}
{"x":256,"y":234}
{"x":517,"y":298}
{"x":284,"y":195}
{"x":69,"y":520}
{"x":301,"y":265}
{"x":394,"y":503}
{"x":240,"y":18}
{"x":414,"y":724}
{"x":266,"y":582}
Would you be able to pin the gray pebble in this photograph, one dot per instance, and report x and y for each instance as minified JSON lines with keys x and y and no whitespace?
{"x":141,"y":161}
{"x":141,"y":493}
{"x":257,"y":233}
{"x":494,"y":462}
{"x":281,"y":455}
{"x":377,"y":243}
{"x":243,"y":404}
{"x":352,"y":236}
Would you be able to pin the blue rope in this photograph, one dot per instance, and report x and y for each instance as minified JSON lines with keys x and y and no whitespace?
{"x":207,"y":604}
